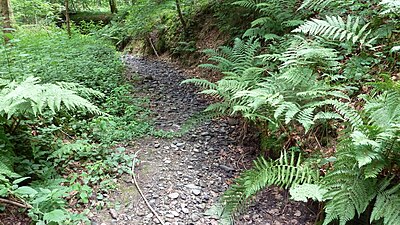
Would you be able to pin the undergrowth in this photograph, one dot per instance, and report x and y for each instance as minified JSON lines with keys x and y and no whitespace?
{"x":323,"y":77}
{"x":59,"y":138}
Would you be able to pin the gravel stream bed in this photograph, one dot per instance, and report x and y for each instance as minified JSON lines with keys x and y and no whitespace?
{"x":183,"y":177}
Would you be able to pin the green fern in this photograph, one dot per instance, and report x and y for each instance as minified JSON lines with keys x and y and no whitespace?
{"x":306,"y":191}
{"x":242,"y":71}
{"x":390,"y":6}
{"x":335,"y":28}
{"x":296,"y":95}
{"x":287,"y":171}
{"x":310,"y":55}
{"x":387,"y":204}
{"x":250,"y":4}
{"x":234,"y":59}
{"x":384,"y":109}
{"x":31,"y":97}
{"x":320,"y":5}
{"x":348,"y":192}
{"x":344,"y":109}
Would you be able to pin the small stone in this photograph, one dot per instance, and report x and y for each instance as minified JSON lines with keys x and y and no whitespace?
{"x":169,"y":215}
{"x":195,"y":217}
{"x":297,"y":213}
{"x":204,"y":133}
{"x":201,"y":206}
{"x":149,"y":215}
{"x":167,"y":161}
{"x":192,"y":186}
{"x":173,"y":195}
{"x":113,"y":213}
{"x":180,"y":144}
{"x":175,"y":213}
{"x":156,"y":145}
{"x":185,"y":210}
{"x":226,"y":168}
{"x":196,"y":191}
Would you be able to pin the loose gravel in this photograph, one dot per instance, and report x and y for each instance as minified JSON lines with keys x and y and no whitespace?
{"x":183,"y":177}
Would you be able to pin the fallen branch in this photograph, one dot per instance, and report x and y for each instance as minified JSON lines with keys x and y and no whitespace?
{"x":152,"y":45}
{"x":26,"y":206}
{"x":141,"y":193}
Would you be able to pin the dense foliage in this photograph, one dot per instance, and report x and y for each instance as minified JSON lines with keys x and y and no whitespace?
{"x":58,"y":137}
{"x":323,"y":75}
{"x":319,"y":79}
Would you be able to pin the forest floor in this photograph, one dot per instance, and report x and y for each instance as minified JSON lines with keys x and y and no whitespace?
{"x":183,"y":177}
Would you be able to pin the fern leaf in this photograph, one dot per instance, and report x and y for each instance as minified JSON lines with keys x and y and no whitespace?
{"x":387,"y":204}
{"x":390,"y":6}
{"x":250,"y":4}
{"x":31,"y":97}
{"x":348,"y":193}
{"x":306,"y":191}
{"x":333,"y":27}
{"x":287,"y":171}
{"x":205,"y":84}
{"x":315,"y":4}
{"x":305,"y":118}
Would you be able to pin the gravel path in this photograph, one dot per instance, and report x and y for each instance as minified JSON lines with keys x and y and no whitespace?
{"x":183,"y":177}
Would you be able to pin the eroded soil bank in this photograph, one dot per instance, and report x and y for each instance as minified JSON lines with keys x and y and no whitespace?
{"x":183,"y":177}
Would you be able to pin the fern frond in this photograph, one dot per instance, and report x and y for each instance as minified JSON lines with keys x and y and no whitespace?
{"x":306,"y":191}
{"x":295,"y":76}
{"x":387,"y":204}
{"x":235,"y":59}
{"x":250,"y":4}
{"x":203,"y":83}
{"x":80,"y":89}
{"x":346,"y":111}
{"x":384,"y":109}
{"x":320,"y":5}
{"x":220,"y":107}
{"x":348,"y":194}
{"x":306,"y":118}
{"x":31,"y":97}
{"x":335,"y":28}
{"x":308,"y":54}
{"x":287,"y":171}
{"x":390,"y":6}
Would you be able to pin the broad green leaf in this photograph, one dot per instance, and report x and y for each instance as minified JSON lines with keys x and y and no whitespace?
{"x":56,"y":215}
{"x":25,"y":190}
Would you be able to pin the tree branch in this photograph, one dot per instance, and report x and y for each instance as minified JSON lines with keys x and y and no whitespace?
{"x":26,"y":206}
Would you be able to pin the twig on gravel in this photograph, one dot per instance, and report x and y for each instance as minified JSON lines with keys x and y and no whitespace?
{"x":141,"y":193}
{"x":152,"y":45}
{"x":27,"y":206}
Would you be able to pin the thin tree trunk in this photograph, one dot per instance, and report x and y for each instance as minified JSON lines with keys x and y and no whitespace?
{"x":178,"y":9}
{"x":6,"y":14}
{"x":113,"y":6}
{"x":67,"y":19}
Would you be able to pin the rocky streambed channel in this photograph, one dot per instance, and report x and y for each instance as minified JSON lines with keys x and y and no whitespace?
{"x":183,"y":177}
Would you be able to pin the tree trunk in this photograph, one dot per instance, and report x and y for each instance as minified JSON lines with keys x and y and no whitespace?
{"x":178,"y":9}
{"x":6,"y":14}
{"x":113,"y":6}
{"x":67,"y":19}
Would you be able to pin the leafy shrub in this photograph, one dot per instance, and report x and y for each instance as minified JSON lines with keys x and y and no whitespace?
{"x":55,"y":144}
{"x":327,"y":73}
